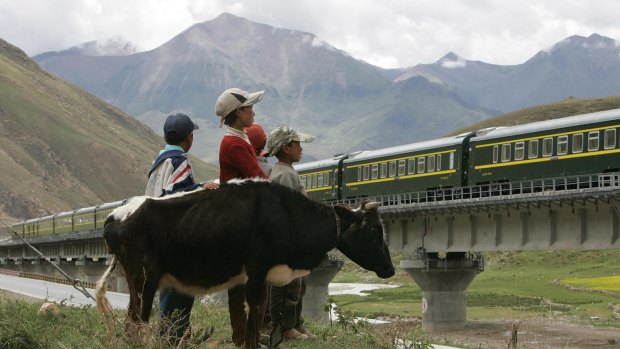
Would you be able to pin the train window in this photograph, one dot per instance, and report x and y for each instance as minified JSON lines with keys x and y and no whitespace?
{"x":421,"y":164}
{"x":411,"y":166}
{"x":519,"y":150}
{"x":562,"y":145}
{"x":495,"y":154}
{"x":577,"y":142}
{"x":401,"y":167}
{"x":319,"y":180}
{"x":374,"y":171}
{"x":314,"y":181}
{"x":609,"y":141}
{"x":506,"y":149}
{"x":547,"y":147}
{"x":593,"y":141}
{"x":365,"y":173}
{"x":309,"y":181}
{"x":431,"y":164}
{"x":392,"y":168}
{"x":451,"y":160}
{"x":438,"y":162}
{"x":383,"y":170}
{"x":326,"y":179}
{"x":532,"y":149}
{"x":359,"y":174}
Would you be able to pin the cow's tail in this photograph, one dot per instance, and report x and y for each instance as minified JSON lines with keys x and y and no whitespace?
{"x":103,"y":304}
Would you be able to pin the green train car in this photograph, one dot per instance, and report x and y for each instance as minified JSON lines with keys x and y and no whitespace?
{"x":322,"y":178}
{"x":87,"y":220}
{"x":413,"y":167}
{"x":576,"y":145}
{"x":409,"y":168}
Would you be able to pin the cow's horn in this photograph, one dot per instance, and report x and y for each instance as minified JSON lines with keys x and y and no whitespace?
{"x":370,"y":205}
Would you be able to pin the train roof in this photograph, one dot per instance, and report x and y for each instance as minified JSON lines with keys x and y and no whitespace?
{"x":408,"y":148}
{"x":47,"y":217}
{"x":569,"y":121}
{"x":108,"y":205}
{"x":65,"y":214}
{"x":317,"y":164}
{"x":86,"y":210}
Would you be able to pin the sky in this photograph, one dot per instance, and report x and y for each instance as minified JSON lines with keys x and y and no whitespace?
{"x":386,"y":33}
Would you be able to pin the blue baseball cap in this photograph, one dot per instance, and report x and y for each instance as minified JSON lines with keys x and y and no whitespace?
{"x":179,"y":126}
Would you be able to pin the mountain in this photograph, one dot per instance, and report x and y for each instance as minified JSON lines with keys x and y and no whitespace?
{"x":577,"y":66}
{"x":346,"y":103}
{"x":62,"y":148}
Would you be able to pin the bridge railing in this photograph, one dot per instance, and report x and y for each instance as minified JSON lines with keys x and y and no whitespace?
{"x":498,"y":191}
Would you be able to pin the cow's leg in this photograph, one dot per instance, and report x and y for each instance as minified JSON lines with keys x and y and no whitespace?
{"x":236,"y":309}
{"x":148,"y":293}
{"x":142,"y":286}
{"x":254,"y":293}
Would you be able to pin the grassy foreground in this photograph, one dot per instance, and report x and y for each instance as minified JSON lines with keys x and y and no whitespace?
{"x":576,"y":286}
{"x":22,"y":327}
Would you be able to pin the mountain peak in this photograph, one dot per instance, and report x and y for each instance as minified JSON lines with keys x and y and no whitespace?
{"x":114,"y":46}
{"x":451,"y":61}
{"x":578,"y":43}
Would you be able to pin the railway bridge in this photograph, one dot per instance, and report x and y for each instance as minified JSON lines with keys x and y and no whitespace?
{"x":443,"y":232}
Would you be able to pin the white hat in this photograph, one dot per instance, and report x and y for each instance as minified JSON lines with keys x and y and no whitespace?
{"x":285,"y":135}
{"x":233,"y":99}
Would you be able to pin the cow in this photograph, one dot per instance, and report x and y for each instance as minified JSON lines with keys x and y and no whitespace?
{"x":246,"y":232}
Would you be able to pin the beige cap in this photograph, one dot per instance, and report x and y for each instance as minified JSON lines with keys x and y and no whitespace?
{"x":285,"y":135}
{"x":233,"y":99}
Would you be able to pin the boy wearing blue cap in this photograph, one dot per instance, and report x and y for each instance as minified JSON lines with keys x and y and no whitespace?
{"x":171,"y":172}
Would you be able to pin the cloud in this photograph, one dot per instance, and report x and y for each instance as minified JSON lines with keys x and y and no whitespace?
{"x":391,"y":33}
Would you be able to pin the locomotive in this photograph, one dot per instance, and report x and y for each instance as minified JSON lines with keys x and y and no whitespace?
{"x":570,"y":146}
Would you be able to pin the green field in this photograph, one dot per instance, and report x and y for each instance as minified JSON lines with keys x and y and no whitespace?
{"x":514,"y":285}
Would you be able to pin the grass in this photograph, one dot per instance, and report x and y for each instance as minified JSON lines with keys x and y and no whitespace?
{"x":21,"y":327}
{"x":514,"y":285}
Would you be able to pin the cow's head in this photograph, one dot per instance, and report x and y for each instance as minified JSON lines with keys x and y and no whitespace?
{"x":362,"y":241}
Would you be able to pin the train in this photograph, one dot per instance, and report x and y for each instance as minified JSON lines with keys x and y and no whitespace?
{"x":569,"y":146}
{"x":577,"y":145}
{"x":80,"y":223}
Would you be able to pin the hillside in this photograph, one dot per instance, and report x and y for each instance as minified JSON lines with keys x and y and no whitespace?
{"x":566,"y":107}
{"x":62,"y":148}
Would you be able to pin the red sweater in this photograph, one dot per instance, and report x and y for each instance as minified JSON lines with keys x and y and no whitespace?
{"x":238,"y":160}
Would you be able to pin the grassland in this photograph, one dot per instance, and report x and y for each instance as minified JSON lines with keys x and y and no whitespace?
{"x":516,"y":285}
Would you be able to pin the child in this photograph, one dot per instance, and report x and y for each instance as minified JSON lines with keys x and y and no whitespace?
{"x":237,"y":160}
{"x":258,"y":139}
{"x":171,"y":172}
{"x":286,"y":301}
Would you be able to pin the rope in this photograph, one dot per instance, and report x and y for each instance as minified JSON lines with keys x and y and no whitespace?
{"x":76,"y":283}
{"x":338,"y":229}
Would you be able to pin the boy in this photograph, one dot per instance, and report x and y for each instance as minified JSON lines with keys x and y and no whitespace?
{"x":171,"y":172}
{"x":286,"y":301}
{"x":237,"y":160}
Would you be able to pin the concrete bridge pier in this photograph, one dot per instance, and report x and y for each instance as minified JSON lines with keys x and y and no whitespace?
{"x":443,"y":283}
{"x":317,"y":283}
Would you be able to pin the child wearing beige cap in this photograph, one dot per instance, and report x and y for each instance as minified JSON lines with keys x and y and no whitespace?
{"x":287,"y":301}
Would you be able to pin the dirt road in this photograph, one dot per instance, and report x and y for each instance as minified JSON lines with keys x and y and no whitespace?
{"x":537,"y":333}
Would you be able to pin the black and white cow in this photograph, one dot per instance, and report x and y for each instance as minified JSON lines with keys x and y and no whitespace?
{"x":244,"y":232}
